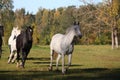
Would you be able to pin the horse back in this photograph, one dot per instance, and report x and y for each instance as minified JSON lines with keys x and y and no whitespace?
{"x":56,"y":42}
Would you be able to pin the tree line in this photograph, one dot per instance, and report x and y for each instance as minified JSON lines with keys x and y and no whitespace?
{"x":96,"y":21}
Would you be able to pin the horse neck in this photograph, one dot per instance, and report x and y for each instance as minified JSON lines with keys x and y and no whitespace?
{"x":69,"y":37}
{"x":12,"y":36}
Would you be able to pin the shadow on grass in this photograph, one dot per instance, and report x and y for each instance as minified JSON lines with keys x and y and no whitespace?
{"x":41,"y":59}
{"x":72,"y":74}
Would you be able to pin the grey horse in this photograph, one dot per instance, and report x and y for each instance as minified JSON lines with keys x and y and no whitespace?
{"x":63,"y":45}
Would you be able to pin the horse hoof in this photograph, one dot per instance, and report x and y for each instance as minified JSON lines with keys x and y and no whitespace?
{"x":13,"y":62}
{"x":57,"y":70}
{"x":63,"y":73}
{"x":66,"y":70}
{"x":22,"y":67}
{"x":8,"y":62}
{"x":18,"y":65}
{"x":50,"y":69}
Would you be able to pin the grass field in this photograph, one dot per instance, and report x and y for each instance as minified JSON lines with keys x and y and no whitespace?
{"x":88,"y":63}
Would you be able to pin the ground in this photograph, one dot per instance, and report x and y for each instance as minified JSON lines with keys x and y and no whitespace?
{"x":89,"y":62}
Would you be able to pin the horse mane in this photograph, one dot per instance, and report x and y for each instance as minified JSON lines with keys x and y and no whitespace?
{"x":23,"y":29}
{"x":71,"y":27}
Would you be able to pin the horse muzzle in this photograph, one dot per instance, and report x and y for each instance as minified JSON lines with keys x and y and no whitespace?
{"x":80,"y":36}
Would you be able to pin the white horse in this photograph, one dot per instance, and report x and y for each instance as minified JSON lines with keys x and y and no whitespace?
{"x":63,"y":45}
{"x":12,"y":44}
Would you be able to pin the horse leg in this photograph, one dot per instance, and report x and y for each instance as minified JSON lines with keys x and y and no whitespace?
{"x":18,"y":57}
{"x":63,"y":63}
{"x":51,"y":60}
{"x":14,"y":58}
{"x":24,"y":55}
{"x":0,"y":52}
{"x":69,"y":61}
{"x":57,"y":61}
{"x":9,"y":47}
{"x":10,"y":57}
{"x":0,"y":55}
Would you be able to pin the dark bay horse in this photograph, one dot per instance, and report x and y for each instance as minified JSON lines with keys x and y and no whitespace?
{"x":1,"y":35}
{"x":23,"y":45}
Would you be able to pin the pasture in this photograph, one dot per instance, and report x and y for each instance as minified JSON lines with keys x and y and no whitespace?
{"x":88,"y":63}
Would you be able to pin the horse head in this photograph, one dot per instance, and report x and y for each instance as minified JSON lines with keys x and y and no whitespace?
{"x":15,"y":31}
{"x":77,"y":31}
{"x":29,"y":31}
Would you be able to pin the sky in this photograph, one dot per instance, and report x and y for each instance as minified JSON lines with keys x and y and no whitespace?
{"x":32,"y":6}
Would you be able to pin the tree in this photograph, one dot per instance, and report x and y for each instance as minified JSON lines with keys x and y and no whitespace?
{"x":38,"y":18}
{"x":108,"y":15}
{"x":20,"y":17}
{"x":6,"y":17}
{"x":115,"y":14}
{"x":5,"y":5}
{"x":29,"y":19}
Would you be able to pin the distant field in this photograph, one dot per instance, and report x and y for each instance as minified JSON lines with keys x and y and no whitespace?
{"x":88,"y":63}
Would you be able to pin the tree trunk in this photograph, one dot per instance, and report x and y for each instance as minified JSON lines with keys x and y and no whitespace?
{"x":113,"y":41}
{"x":115,"y":13}
{"x":116,"y":38}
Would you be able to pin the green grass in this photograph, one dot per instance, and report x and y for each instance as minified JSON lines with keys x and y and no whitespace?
{"x":88,"y":63}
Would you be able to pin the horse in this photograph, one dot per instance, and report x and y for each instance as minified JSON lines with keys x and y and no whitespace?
{"x":23,"y":45}
{"x":63,"y":44}
{"x":1,"y":35}
{"x":12,"y":44}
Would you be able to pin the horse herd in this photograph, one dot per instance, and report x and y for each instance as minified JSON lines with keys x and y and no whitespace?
{"x":20,"y":43}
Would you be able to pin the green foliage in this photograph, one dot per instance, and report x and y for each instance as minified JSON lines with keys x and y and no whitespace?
{"x":102,"y":40}
{"x":95,"y":25}
{"x":35,"y":34}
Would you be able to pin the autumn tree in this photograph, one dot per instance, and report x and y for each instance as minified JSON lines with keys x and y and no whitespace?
{"x":19,"y":17}
{"x":5,"y":5}
{"x":108,"y":15}
{"x":38,"y":18}
{"x":115,"y":14}
{"x":6,"y":17}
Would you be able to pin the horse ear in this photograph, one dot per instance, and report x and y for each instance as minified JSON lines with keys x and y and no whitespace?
{"x":74,"y":22}
{"x":17,"y":27}
{"x":14,"y":28}
{"x":32,"y":27}
{"x":78,"y":23}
